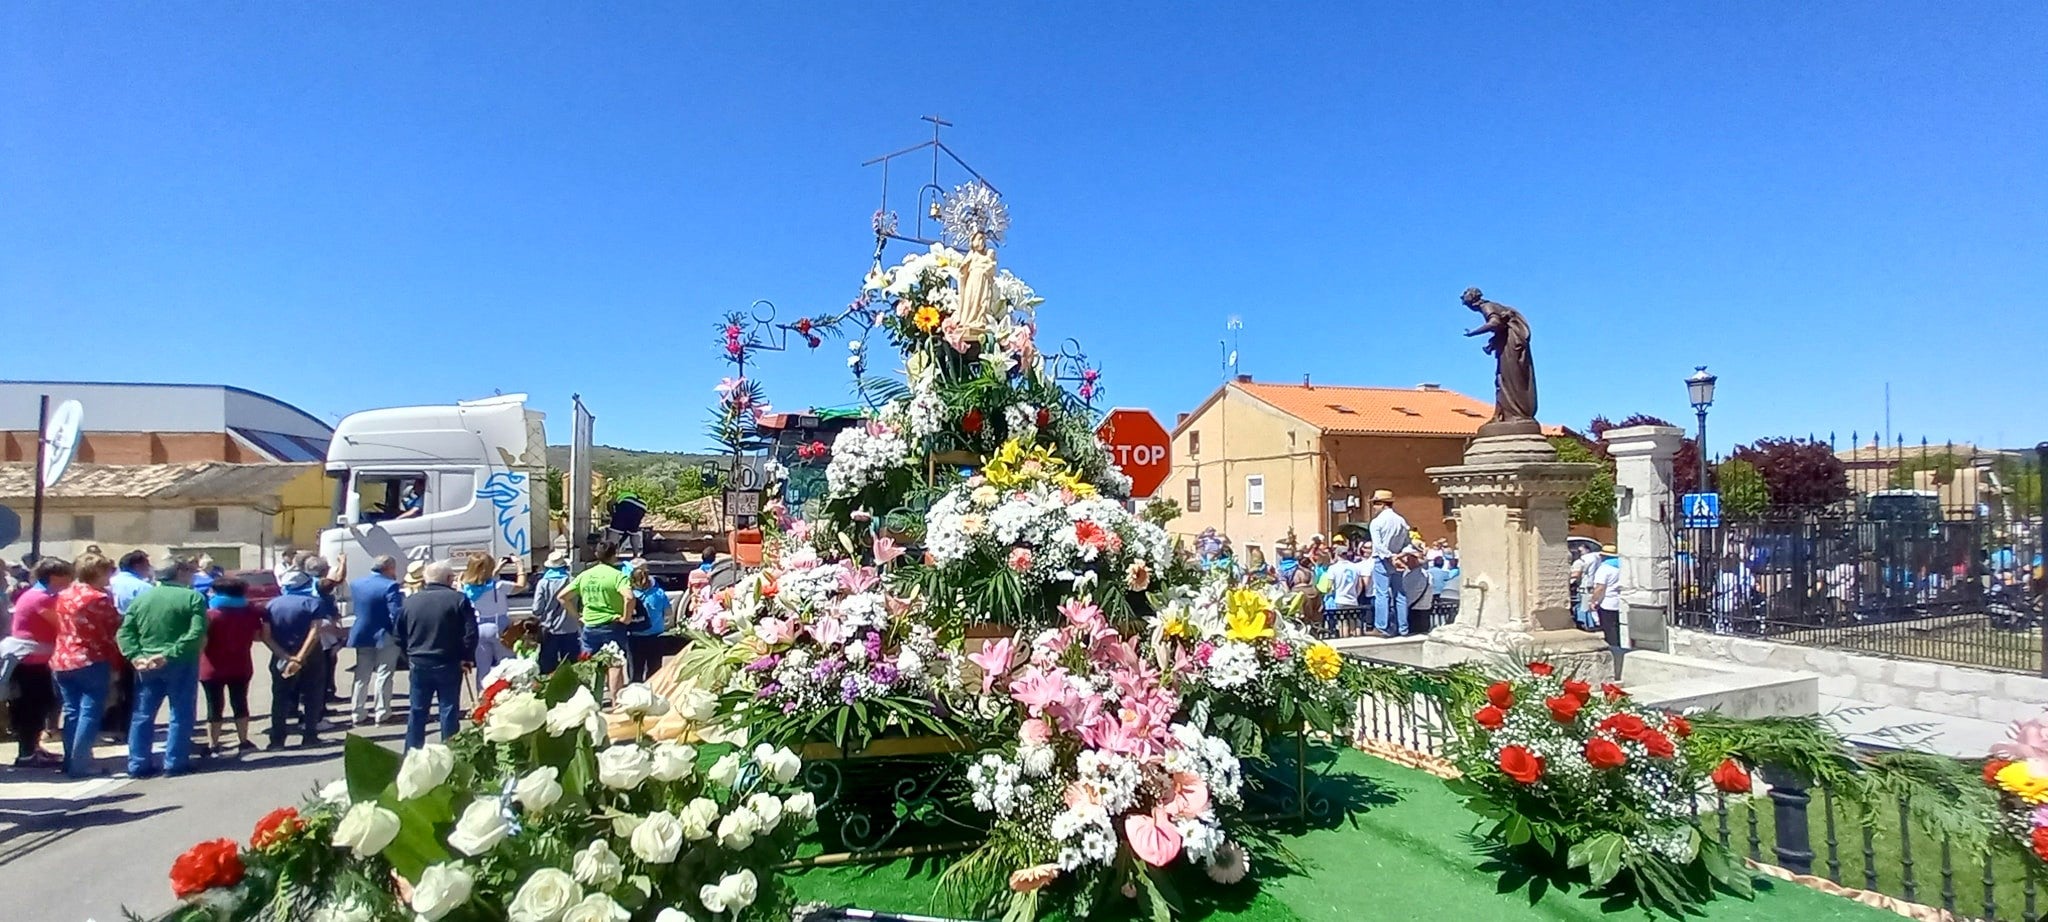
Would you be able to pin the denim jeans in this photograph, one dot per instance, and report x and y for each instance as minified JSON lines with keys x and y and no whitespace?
{"x":597,"y":636}
{"x":437,"y":684}
{"x":374,"y":669}
{"x":1389,"y":607}
{"x":85,"y":701}
{"x":178,"y":685}
{"x":556,"y":649}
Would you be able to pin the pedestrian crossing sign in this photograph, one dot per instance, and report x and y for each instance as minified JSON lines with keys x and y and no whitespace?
{"x":1701,"y":510}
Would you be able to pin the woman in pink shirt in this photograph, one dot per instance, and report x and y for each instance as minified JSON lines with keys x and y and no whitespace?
{"x":35,"y":690}
{"x":233,"y":626}
{"x":85,"y":657}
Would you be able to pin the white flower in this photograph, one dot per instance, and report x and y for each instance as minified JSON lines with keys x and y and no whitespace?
{"x":673,"y":761}
{"x":546,"y":894}
{"x":696,"y":818}
{"x":424,"y":769}
{"x":1229,"y":864}
{"x":732,"y":892}
{"x":481,"y":827}
{"x":669,"y":914}
{"x":801,"y":805}
{"x":538,"y":789}
{"x":335,"y":793}
{"x":769,"y":808}
{"x":695,"y":704}
{"x":780,"y":765}
{"x":514,"y":715}
{"x":986,"y":496}
{"x":517,"y":672}
{"x":623,"y":766}
{"x":598,"y":866}
{"x":348,"y":909}
{"x":597,"y":907}
{"x":440,"y":889}
{"x":366,"y":829}
{"x":580,"y":710}
{"x":736,"y":830}
{"x":658,"y":838}
{"x":725,"y":771}
{"x":623,"y":825}
{"x":640,"y":702}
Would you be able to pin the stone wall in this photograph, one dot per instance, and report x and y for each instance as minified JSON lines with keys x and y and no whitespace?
{"x":2001,"y":697}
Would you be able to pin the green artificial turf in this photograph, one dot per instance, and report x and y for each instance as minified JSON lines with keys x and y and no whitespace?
{"x":1405,"y":852}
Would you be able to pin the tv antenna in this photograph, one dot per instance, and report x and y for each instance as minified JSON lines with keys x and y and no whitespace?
{"x":979,"y":198}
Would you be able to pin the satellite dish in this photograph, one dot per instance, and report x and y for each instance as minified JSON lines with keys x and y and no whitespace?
{"x":61,"y":437}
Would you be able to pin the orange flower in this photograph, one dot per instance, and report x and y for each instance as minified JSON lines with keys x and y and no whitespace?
{"x":275,"y":827}
{"x":1991,"y":770}
{"x":206,"y":866}
{"x":926,"y":318}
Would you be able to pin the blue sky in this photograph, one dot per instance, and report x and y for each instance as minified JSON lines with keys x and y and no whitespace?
{"x":364,"y":205}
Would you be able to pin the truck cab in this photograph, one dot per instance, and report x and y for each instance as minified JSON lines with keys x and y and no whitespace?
{"x":439,"y":482}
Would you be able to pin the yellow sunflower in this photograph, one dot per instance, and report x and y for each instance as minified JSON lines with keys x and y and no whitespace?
{"x":2021,"y":782}
{"x":926,"y":318}
{"x":1324,"y":662}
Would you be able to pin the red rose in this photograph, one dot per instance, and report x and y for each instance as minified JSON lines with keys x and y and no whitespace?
{"x":971,"y":422}
{"x":275,"y":827}
{"x":1730,"y":777}
{"x":1578,"y":689}
{"x":491,"y":693}
{"x":2040,"y":841}
{"x":1521,"y":764}
{"x":1679,"y":726}
{"x":1602,"y":754}
{"x":1501,"y":694}
{"x":206,"y":866}
{"x":1044,"y":417}
{"x":803,"y":325}
{"x":1626,"y":726}
{"x":1490,"y":717}
{"x":1658,"y":744}
{"x":1612,"y":691}
{"x":1564,"y":708}
{"x":1542,"y":669}
{"x":769,"y":589}
{"x":1991,"y":770}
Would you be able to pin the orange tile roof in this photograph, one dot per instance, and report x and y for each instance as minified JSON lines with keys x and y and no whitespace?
{"x":1377,"y":410}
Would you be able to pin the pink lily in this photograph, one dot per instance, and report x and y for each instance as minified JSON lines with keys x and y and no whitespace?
{"x":994,"y":660}
{"x":1038,"y":689}
{"x":886,"y":550}
{"x":1190,"y":796}
{"x":859,"y":580}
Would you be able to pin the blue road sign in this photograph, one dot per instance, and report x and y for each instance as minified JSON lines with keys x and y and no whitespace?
{"x":1701,"y":510}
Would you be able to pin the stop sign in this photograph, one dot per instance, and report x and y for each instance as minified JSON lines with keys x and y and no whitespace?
{"x":1139,"y":445}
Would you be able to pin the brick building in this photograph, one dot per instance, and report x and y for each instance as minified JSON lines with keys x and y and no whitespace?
{"x":165,"y":424}
{"x":1259,"y":461}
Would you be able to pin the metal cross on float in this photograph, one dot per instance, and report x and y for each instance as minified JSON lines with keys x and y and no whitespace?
{"x":930,"y":195}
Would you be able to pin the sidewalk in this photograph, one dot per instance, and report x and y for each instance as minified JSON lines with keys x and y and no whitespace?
{"x":1889,"y":727}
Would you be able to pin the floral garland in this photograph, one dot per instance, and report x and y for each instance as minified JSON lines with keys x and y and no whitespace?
{"x":2018,"y":772}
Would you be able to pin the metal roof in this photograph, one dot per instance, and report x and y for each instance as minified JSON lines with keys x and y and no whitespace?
{"x":190,"y":481}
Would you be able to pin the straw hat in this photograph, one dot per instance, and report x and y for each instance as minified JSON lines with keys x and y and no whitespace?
{"x":1383,"y":496}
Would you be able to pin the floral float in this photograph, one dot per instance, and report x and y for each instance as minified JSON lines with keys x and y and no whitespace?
{"x":1246,"y":655}
{"x":2018,"y":772}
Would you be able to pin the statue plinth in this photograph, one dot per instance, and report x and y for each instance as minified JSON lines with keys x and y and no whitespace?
{"x":1515,"y":601}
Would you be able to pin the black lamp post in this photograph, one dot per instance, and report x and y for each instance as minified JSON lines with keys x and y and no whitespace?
{"x":1700,"y":388}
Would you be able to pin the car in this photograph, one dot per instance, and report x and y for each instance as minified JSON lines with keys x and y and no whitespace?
{"x":262,"y":587}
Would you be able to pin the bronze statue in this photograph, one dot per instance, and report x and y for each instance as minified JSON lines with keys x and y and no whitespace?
{"x":1514,"y":376}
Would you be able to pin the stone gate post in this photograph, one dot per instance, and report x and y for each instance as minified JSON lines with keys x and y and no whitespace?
{"x":1644,"y":518}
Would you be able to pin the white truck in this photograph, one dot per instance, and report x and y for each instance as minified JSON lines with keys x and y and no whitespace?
{"x":435,"y":483}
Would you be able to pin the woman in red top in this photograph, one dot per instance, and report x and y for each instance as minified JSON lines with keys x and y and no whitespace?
{"x":232,"y":627}
{"x":85,"y":657}
{"x":35,"y":690}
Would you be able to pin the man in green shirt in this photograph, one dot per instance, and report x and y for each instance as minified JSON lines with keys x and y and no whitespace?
{"x":161,"y":635}
{"x":603,"y":598}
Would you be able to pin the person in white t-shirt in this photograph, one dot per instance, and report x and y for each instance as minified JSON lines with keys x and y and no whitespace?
{"x":1347,"y":584}
{"x":1606,"y":594}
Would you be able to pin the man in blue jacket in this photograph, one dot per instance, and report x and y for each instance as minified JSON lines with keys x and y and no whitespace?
{"x":376,"y":599}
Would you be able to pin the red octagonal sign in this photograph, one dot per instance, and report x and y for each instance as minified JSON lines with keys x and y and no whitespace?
{"x":1140,"y":445}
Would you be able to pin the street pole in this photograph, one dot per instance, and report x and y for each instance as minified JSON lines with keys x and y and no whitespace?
{"x":2040,"y":526}
{"x":1703,"y":448}
{"x":35,"y":540}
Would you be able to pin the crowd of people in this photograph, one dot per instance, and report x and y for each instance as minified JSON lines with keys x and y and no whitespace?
{"x":1385,"y":582}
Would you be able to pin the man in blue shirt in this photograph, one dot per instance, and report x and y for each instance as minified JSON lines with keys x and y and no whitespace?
{"x":298,"y":667}
{"x":131,"y":580}
{"x":377,"y":600}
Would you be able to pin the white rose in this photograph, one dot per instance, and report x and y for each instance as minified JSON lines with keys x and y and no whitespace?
{"x":623,"y":766}
{"x":736,"y":831}
{"x":638,"y":701}
{"x":658,"y":838}
{"x":579,"y":711}
{"x":366,"y":829}
{"x":781,"y":765}
{"x":673,"y":915}
{"x":800,"y":805}
{"x":695,"y":704}
{"x":481,"y":827}
{"x":732,"y":892}
{"x":597,"y":866}
{"x":514,"y":716}
{"x":597,"y":907}
{"x":624,"y":824}
{"x":673,"y":761}
{"x":424,"y":769}
{"x":697,"y":817}
{"x":517,"y":672}
{"x":769,"y":808}
{"x":440,"y":889}
{"x":546,"y":894}
{"x":538,"y":789}
{"x":335,"y":793}
{"x":725,"y":771}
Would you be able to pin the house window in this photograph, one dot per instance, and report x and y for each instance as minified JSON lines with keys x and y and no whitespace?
{"x":1194,"y":495}
{"x":1450,"y":508}
{"x":206,"y":519}
{"x":81,"y":527}
{"x":1255,"y":494}
{"x":1194,"y":444}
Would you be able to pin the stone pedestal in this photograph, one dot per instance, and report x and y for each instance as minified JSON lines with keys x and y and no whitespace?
{"x":1644,"y":512}
{"x":1515,"y":605}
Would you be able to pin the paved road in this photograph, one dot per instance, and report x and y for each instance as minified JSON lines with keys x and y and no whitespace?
{"x":73,"y":851}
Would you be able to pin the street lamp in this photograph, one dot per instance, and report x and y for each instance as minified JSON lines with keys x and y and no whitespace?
{"x":1700,"y":388}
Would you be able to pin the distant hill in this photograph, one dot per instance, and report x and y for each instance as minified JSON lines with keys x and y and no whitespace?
{"x":613,"y":462}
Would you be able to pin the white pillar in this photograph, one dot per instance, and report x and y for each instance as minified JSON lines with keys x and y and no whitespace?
{"x":1643,"y":522}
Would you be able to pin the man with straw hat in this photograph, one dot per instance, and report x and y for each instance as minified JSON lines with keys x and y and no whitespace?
{"x":1389,"y":538}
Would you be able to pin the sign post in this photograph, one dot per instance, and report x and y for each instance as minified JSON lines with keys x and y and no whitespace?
{"x":1701,"y":510}
{"x":1140,"y":446}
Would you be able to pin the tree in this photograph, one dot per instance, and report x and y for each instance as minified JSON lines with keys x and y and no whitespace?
{"x":1684,"y":466}
{"x":1593,"y":505}
{"x":1798,"y":472}
{"x":1744,"y":496}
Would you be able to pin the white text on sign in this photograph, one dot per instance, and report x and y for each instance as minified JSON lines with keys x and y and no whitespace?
{"x":1138,"y":455}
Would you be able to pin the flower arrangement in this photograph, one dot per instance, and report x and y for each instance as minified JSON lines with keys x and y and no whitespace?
{"x":1580,"y":777}
{"x":1244,"y":652}
{"x":2018,"y":773}
{"x":528,"y":817}
{"x":1104,"y":784}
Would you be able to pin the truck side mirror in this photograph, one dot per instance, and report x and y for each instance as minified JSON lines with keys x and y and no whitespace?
{"x":342,"y":520}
